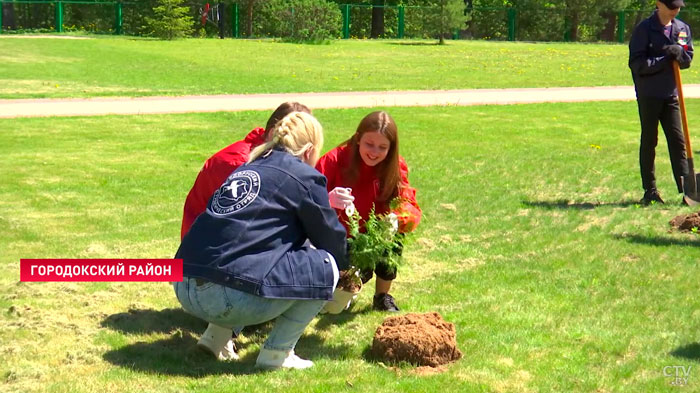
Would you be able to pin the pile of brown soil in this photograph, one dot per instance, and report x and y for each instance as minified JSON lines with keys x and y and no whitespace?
{"x":686,"y":223}
{"x":420,"y":339}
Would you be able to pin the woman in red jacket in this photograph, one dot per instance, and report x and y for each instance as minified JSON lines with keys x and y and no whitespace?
{"x":370,"y":166}
{"x":219,"y":166}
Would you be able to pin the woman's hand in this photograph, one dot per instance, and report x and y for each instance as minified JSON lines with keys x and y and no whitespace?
{"x":340,"y":197}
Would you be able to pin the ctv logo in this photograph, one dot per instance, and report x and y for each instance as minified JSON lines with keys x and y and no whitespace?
{"x":678,"y":373}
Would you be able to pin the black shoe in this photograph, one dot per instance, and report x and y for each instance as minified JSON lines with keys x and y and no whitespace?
{"x":384,"y":302}
{"x":651,"y":196}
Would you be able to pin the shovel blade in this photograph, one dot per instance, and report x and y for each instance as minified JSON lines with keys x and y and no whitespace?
{"x":691,"y":195}
{"x":688,"y":200}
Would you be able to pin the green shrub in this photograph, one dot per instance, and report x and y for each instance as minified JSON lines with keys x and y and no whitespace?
{"x":376,"y":239}
{"x":299,"y":20}
{"x":170,"y":20}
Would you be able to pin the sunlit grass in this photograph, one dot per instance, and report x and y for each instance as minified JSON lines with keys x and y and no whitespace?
{"x":119,"y":66}
{"x":531,"y":243}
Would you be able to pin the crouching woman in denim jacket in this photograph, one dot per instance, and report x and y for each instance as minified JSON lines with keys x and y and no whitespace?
{"x":269,"y":245}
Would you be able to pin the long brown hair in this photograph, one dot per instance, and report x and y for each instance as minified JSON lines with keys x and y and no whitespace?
{"x":387,"y":170}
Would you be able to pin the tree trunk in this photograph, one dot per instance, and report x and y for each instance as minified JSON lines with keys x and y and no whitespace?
{"x":377,"y":19}
{"x":8,"y":16}
{"x":443,"y":24}
{"x":608,"y":33}
{"x":221,"y":17}
{"x":249,"y":18}
{"x":574,"y":27}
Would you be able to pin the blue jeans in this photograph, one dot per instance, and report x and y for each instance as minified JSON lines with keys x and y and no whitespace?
{"x":231,"y":308}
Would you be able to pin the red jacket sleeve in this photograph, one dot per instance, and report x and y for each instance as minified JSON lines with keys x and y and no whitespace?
{"x":215,"y":171}
{"x":328,"y":166}
{"x":408,"y":211}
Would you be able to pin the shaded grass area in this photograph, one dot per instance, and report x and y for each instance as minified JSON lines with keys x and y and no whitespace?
{"x":531,"y":243}
{"x":121,"y":66}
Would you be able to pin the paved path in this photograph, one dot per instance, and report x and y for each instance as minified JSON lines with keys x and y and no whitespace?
{"x":152,"y":105}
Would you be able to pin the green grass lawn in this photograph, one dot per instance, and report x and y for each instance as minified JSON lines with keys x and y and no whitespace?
{"x":121,"y":66}
{"x":531,"y":243}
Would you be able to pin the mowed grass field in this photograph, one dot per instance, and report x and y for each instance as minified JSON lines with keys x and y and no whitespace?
{"x":123,"y":66}
{"x":532,"y":244}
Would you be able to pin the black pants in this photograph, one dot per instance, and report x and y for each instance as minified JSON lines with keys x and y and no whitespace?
{"x":667,"y":111}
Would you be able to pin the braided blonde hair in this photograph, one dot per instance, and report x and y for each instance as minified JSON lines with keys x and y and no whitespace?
{"x":296,"y":133}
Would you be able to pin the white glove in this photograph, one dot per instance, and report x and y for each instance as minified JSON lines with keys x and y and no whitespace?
{"x":393,"y":219}
{"x":340,"y":197}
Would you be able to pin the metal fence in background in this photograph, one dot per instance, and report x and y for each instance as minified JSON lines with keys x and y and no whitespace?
{"x":525,"y":24}
{"x":507,"y":24}
{"x":98,"y":16}
{"x":504,"y":23}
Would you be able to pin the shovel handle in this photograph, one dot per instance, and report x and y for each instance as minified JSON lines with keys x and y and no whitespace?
{"x":681,"y":101}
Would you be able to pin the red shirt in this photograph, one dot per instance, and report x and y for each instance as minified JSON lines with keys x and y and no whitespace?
{"x":216,"y":169}
{"x":367,"y":189}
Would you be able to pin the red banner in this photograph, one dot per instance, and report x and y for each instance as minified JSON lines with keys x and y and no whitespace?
{"x":100,"y":270}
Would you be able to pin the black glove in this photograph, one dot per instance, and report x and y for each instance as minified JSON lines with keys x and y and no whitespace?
{"x":674,"y":52}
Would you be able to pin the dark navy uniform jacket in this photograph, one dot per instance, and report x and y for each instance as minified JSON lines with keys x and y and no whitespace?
{"x":253,"y":235}
{"x":651,"y":68}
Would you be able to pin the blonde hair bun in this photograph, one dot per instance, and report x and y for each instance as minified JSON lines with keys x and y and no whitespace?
{"x":296,"y":133}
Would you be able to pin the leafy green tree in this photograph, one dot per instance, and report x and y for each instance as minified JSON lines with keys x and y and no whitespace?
{"x":250,"y":7}
{"x":447,"y":16}
{"x":588,"y":13}
{"x":431,"y":18}
{"x":550,"y":20}
{"x":450,"y":18}
{"x":300,"y":20}
{"x":170,"y":20}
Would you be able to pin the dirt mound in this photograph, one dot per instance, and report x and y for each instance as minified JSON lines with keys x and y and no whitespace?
{"x":349,"y":283}
{"x":686,"y":222}
{"x":420,"y":339}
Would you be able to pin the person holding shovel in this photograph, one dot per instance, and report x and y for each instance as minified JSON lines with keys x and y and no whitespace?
{"x":656,"y":43}
{"x":367,"y":171}
{"x":269,"y":246}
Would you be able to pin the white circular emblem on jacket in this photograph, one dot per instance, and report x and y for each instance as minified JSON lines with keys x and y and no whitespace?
{"x":237,"y":192}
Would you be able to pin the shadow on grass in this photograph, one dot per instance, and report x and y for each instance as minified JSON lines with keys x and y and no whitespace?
{"x":565,"y":204}
{"x":415,"y":43}
{"x":690,"y":351}
{"x":179,"y":356}
{"x":169,"y":320}
{"x":154,"y":321}
{"x":659,"y":241}
{"x":369,"y":356}
{"x":314,"y":346}
{"x":327,"y":320}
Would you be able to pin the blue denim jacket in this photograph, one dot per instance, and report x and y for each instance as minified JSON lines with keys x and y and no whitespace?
{"x":253,"y":235}
{"x":651,"y":68}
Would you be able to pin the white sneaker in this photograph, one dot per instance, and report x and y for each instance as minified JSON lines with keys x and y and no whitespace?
{"x":217,"y":341}
{"x":269,"y":358}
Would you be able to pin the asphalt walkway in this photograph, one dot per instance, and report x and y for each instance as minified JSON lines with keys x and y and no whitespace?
{"x":240,"y":102}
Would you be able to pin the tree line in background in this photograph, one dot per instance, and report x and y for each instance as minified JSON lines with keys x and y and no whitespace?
{"x":554,"y":20}
{"x":318,"y":20}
